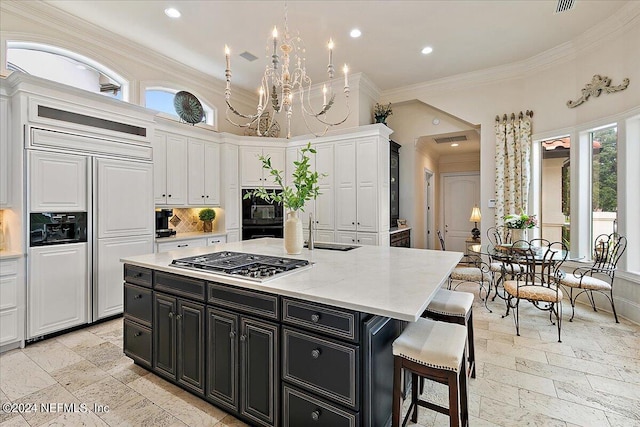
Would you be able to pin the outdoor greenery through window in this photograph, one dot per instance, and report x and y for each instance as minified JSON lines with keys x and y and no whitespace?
{"x":604,"y":180}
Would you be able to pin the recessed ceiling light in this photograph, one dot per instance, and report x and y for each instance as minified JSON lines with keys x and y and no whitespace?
{"x":172,"y":12}
{"x":427,"y":50}
{"x":454,"y":144}
{"x":355,"y":33}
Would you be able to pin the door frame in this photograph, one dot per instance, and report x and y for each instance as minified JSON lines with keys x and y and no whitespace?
{"x":429,"y":199}
{"x":441,"y":207}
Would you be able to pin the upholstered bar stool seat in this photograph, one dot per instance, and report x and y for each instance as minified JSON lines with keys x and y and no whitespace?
{"x":435,"y":351}
{"x":455,"y":307}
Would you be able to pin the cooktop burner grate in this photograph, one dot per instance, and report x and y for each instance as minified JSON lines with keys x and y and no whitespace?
{"x":249,"y":266}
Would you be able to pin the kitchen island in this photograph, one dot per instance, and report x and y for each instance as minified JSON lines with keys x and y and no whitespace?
{"x":312,"y":346}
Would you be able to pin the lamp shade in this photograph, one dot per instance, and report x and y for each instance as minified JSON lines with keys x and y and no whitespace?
{"x":475,"y":214}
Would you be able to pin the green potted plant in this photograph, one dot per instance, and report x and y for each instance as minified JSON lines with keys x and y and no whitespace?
{"x":207,"y":215}
{"x":381,"y":112}
{"x":293,"y":198}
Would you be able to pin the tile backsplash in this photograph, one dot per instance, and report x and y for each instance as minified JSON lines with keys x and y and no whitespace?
{"x":185,"y":220}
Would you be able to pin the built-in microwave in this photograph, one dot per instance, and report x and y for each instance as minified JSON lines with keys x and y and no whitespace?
{"x":57,"y":228}
{"x":256,"y":211}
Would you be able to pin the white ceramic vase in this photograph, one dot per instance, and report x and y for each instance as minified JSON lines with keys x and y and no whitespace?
{"x":517,"y":235}
{"x":293,"y":238}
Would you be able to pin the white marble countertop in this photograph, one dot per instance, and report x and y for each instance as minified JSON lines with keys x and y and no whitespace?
{"x":189,"y":236}
{"x":394,"y":230}
{"x":387,"y":281}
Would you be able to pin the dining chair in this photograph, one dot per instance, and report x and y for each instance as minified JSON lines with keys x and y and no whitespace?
{"x":498,"y":236}
{"x":538,"y":281}
{"x":475,"y":271}
{"x":598,"y":277}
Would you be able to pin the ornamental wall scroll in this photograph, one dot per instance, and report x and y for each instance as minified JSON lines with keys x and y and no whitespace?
{"x":595,"y":88}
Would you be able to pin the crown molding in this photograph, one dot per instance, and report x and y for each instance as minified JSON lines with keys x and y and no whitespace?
{"x":610,"y":28}
{"x":367,"y":86}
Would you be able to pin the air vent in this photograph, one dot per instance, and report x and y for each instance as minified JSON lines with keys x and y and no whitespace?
{"x":564,"y":5}
{"x":248,"y":56}
{"x":450,"y":139}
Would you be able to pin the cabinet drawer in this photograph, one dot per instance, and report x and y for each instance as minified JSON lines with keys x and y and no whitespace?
{"x":8,"y":268}
{"x":170,"y":246}
{"x":216,"y":240}
{"x":8,"y":326}
{"x":138,"y":303}
{"x":323,"y":366}
{"x":179,"y":285}
{"x":137,"y":342}
{"x":8,"y":292}
{"x":253,"y":302}
{"x":302,"y":409}
{"x":324,"y":319}
{"x":137,"y":275}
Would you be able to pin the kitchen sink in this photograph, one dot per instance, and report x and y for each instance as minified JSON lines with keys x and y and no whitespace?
{"x":332,"y":246}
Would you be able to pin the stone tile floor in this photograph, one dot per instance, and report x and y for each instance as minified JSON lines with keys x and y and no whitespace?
{"x":592,"y":378}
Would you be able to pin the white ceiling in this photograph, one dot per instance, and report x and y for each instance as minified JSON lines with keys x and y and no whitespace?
{"x":465,"y":35}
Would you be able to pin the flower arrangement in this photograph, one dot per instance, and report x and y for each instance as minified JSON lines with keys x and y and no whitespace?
{"x":381,"y":112}
{"x":521,"y":221}
{"x":305,"y":183}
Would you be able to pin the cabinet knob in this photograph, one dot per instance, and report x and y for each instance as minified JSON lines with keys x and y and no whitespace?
{"x":138,"y":274}
{"x":137,"y":296}
{"x":315,"y":353}
{"x":315,"y":415}
{"x":353,"y":223}
{"x":232,"y":334}
{"x":164,"y":195}
{"x":202,"y":196}
{"x":183,"y":245}
{"x":171,"y":315}
{"x":178,"y":316}
{"x":317,"y":222}
{"x":243,"y":337}
{"x":315,"y":318}
{"x":358,"y":223}
{"x":207,"y":197}
{"x":169,"y":195}
{"x":137,"y":334}
{"x":353,"y":240}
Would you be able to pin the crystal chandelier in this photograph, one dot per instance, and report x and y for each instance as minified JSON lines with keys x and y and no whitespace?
{"x":283,"y":78}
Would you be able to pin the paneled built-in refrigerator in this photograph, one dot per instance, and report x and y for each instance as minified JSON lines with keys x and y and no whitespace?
{"x":75,"y":283}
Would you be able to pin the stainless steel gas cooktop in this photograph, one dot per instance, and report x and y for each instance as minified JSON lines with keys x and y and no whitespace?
{"x":254,"y":267}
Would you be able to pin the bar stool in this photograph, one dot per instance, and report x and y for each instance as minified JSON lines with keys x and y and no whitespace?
{"x":455,"y":307}
{"x":435,"y":351}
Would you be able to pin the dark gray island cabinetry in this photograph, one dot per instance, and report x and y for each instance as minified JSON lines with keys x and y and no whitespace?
{"x":270,"y":360}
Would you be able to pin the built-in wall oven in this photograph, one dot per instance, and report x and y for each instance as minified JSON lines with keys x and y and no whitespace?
{"x":261,"y":218}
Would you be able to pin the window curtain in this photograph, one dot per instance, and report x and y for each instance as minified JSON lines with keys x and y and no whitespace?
{"x":513,"y":165}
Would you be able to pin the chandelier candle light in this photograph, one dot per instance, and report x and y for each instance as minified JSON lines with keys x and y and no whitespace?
{"x":278,"y":86}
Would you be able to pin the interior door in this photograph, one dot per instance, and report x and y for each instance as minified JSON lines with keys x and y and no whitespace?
{"x":459,"y":194}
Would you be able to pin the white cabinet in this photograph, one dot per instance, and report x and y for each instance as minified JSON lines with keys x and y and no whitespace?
{"x":350,"y":237}
{"x":11,"y":306}
{"x":57,"y":182}
{"x":180,"y":244}
{"x":5,"y":174}
{"x":324,"y":236}
{"x":108,"y":286}
{"x":231,"y":205}
{"x":215,"y":240}
{"x":233,"y":236}
{"x":57,"y":288}
{"x":170,"y":165}
{"x":125,"y":205}
{"x":358,"y":207}
{"x":251,"y":171}
{"x":203,"y":173}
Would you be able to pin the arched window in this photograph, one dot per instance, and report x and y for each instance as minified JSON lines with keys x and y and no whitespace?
{"x":161,"y":99}
{"x":67,"y":67}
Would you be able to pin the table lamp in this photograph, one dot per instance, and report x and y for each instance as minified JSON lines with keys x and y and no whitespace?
{"x":475,"y":217}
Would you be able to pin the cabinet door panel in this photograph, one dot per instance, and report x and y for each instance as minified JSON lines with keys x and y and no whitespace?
{"x":367,"y":183}
{"x":345,"y":183}
{"x":108,"y":285}
{"x":212,"y":174}
{"x":176,"y":167}
{"x":196,"y":172}
{"x":325,"y":212}
{"x":159,"y":146}
{"x":57,"y":288}
{"x":229,"y":166}
{"x":260,"y":372}
{"x":5,"y":173}
{"x":125,"y":203}
{"x":222,"y":363}
{"x":251,"y":167}
{"x":164,"y":334}
{"x":277,"y":156}
{"x":190,"y":325}
{"x":57,"y":182}
{"x":367,"y":239}
{"x":348,"y":237}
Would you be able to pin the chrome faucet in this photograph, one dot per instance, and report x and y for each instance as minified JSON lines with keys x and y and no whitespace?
{"x":310,"y":241}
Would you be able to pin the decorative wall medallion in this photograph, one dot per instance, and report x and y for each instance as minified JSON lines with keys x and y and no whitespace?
{"x":595,"y":88}
{"x":188,"y":107}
